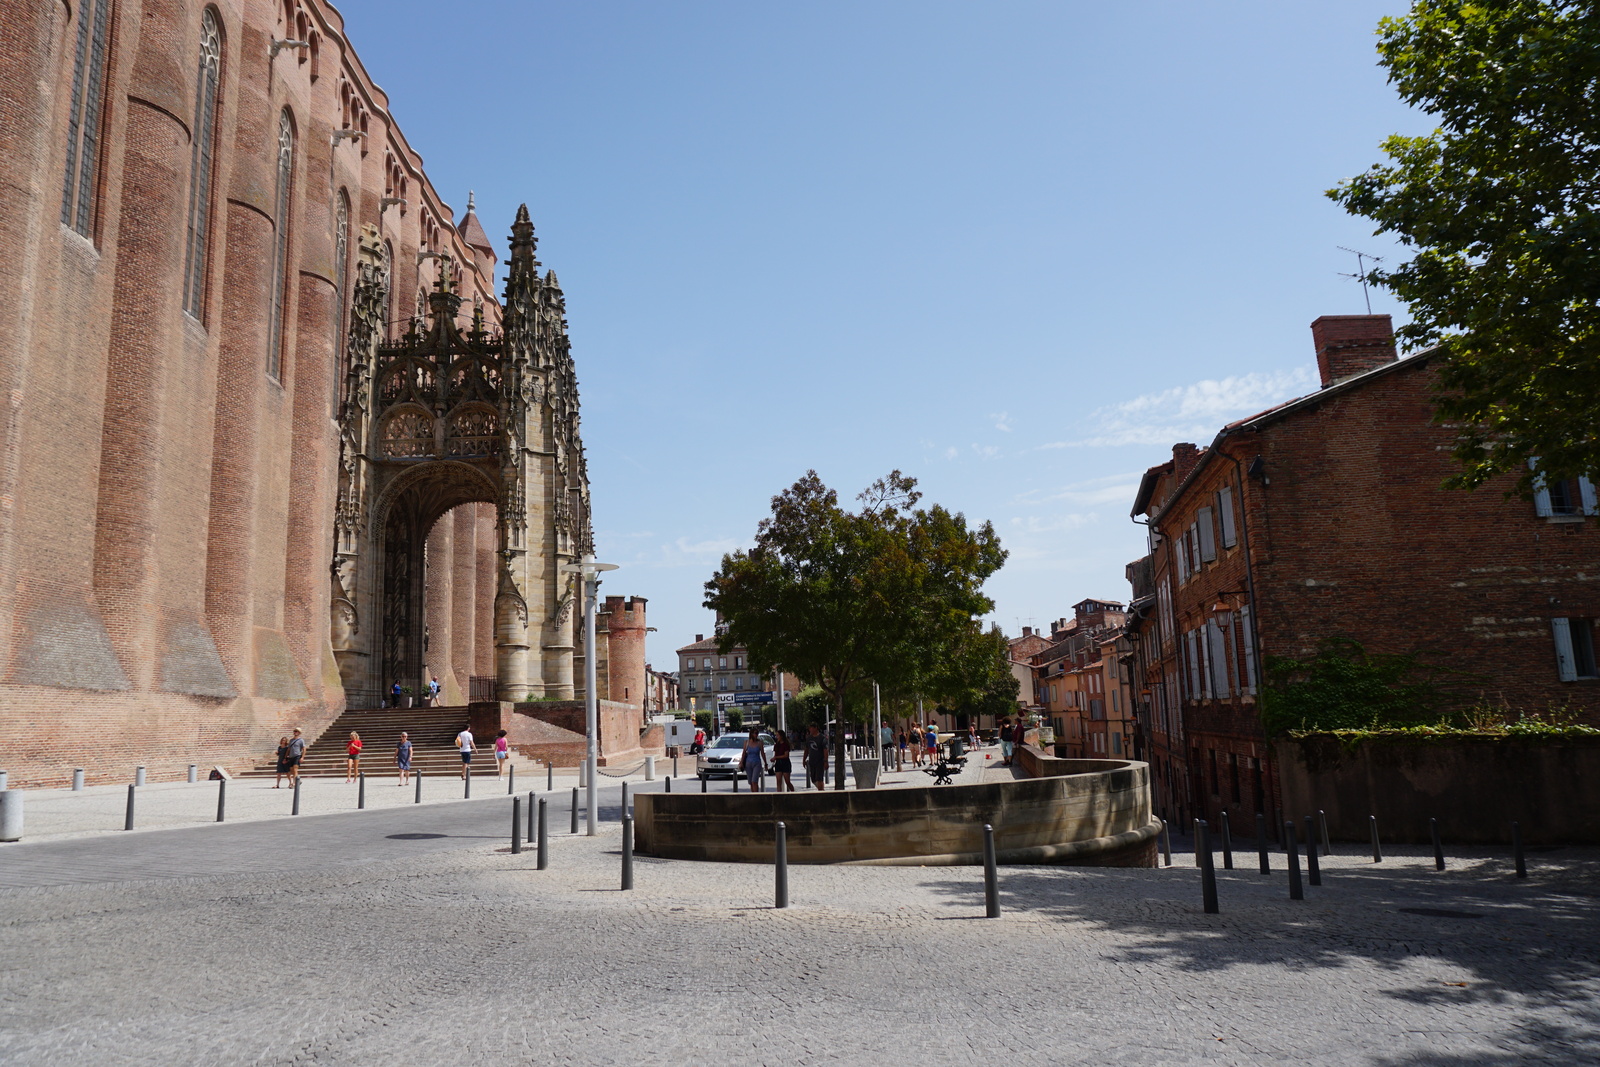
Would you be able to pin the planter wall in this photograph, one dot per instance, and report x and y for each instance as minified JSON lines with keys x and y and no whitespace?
{"x":1475,"y":787}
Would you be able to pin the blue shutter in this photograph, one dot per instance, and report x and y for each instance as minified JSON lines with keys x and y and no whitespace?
{"x":1566,"y":663}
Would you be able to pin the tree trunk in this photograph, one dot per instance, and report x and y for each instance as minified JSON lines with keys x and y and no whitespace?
{"x":838,"y":743}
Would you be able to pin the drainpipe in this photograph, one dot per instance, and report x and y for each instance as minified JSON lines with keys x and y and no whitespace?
{"x":1255,"y":631}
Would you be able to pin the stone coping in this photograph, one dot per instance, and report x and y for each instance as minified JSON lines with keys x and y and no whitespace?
{"x":1099,"y":814}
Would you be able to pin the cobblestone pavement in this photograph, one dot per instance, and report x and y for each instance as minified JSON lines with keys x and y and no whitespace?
{"x":346,"y":945}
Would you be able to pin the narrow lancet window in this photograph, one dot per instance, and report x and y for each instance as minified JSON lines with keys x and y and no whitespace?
{"x":83,"y":124}
{"x":341,"y":271}
{"x":280,"y":255}
{"x":205,"y":119}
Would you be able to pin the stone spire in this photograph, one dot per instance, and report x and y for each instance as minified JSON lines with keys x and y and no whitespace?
{"x":472,"y":232}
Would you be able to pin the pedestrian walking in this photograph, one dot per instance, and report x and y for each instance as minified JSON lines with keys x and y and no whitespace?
{"x":782,"y":764}
{"x":402,"y":757}
{"x":886,"y":747}
{"x":1006,"y":746}
{"x":816,"y":757}
{"x":352,"y":757}
{"x":930,"y":741}
{"x":905,"y":749}
{"x":753,"y":760}
{"x":297,"y":752}
{"x":283,"y":761}
{"x":502,"y":753}
{"x":395,"y":691}
{"x":433,"y":691}
{"x":465,"y":745}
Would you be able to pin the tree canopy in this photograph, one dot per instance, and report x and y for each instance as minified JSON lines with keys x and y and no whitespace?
{"x":889,"y":593}
{"x":1501,"y":204}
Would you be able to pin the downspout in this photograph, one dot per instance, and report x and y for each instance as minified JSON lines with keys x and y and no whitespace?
{"x":1255,"y":633}
{"x":1182,"y":737}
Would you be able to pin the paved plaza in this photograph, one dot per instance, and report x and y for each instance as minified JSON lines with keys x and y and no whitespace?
{"x":411,"y":935}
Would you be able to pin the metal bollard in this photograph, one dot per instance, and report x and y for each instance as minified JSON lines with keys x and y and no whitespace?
{"x":361,"y":790}
{"x":127,"y":820}
{"x":418,"y":800}
{"x":530,"y":814}
{"x":781,"y":870}
{"x":1295,"y":891}
{"x":669,"y":785}
{"x":625,"y":799}
{"x":1261,"y":843}
{"x":991,"y":881}
{"x":649,"y":768}
{"x":1322,"y":819}
{"x":516,"y":826}
{"x":511,"y":778}
{"x":1197,"y":845}
{"x":1313,"y":868}
{"x":77,"y":779}
{"x":222,"y":797}
{"x":574,"y":809}
{"x":3,"y":779}
{"x":549,"y":777}
{"x":704,"y":782}
{"x":138,"y":776}
{"x":627,"y":852}
{"x":735,"y":781}
{"x":11,"y":814}
{"x":466,"y":784}
{"x":1438,"y":848}
{"x":1227,"y":844}
{"x":296,"y":810}
{"x":1516,"y":850}
{"x":1377,"y":850}
{"x":544,"y":836}
{"x":1208,"y":870}
{"x":1166,"y":842}
{"x":194,"y":774}
{"x":674,"y":766}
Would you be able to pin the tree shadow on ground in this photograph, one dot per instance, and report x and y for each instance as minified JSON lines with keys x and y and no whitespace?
{"x":1534,"y":943}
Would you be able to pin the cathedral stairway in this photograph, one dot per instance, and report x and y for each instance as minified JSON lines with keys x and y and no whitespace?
{"x":433,"y":751}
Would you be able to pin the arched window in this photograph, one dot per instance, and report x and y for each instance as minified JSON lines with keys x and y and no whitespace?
{"x":280,"y":252}
{"x":83,"y":125}
{"x":388,"y":294}
{"x":207,"y":80}
{"x":341,"y":271}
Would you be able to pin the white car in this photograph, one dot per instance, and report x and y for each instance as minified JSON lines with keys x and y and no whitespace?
{"x":721,"y":757}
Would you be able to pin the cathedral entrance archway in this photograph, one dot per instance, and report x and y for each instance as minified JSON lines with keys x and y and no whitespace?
{"x":451,"y":414}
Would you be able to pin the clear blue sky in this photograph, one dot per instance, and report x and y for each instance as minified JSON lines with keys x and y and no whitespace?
{"x":1013,"y":249}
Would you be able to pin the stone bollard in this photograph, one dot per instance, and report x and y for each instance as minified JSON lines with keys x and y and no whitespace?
{"x":1227,"y":844}
{"x":77,"y":779}
{"x":1208,"y":870}
{"x":991,"y":877}
{"x":361,"y":790}
{"x":649,"y":768}
{"x":511,"y":778}
{"x":138,"y":776}
{"x":1313,"y":868}
{"x":222,"y":798}
{"x":544,"y":836}
{"x":11,"y":814}
{"x":1166,"y":842}
{"x":627,"y":852}
{"x":1438,"y":847}
{"x":296,"y":810}
{"x":781,"y":869}
{"x":1377,"y":850}
{"x":194,"y":774}
{"x":516,"y":826}
{"x":574,"y":809}
{"x":1261,"y":843}
{"x":127,"y":820}
{"x":1295,"y":890}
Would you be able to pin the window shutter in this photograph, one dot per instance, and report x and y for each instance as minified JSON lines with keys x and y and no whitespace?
{"x":1208,"y":535}
{"x":1230,"y":535}
{"x":1248,"y":641}
{"x":1566,"y":665}
{"x":1200,"y":639}
{"x":1586,"y":488}
{"x":1541,"y":492}
{"x":1181,"y":550}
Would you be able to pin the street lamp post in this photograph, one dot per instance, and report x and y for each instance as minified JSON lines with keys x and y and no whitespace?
{"x":590,"y":572}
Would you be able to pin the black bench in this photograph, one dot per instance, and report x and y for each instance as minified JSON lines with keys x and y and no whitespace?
{"x":945,"y":770}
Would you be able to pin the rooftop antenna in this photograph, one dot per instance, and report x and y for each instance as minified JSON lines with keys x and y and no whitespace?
{"x":1361,"y":269}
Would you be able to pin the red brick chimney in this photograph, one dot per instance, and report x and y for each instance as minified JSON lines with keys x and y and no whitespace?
{"x":1348,"y":345}
{"x":1184,"y":457}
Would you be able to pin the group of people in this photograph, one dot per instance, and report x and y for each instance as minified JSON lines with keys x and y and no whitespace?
{"x":431,"y":700}
{"x":292,"y":750}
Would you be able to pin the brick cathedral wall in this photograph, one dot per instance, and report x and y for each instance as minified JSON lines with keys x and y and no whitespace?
{"x":463,"y":594}
{"x":483,"y":621}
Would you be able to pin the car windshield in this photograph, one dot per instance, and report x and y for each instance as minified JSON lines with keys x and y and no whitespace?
{"x":731,"y":741}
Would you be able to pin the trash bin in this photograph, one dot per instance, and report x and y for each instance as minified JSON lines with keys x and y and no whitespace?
{"x":956,"y":748}
{"x":11,"y":814}
{"x":866,"y":773}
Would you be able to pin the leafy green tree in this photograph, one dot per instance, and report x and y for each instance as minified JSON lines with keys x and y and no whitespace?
{"x":985,"y":684}
{"x":1501,"y":204}
{"x":889,"y":593}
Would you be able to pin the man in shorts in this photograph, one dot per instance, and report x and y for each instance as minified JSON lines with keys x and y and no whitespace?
{"x":816,"y":757}
{"x":297,"y":751}
{"x":465,"y":746}
{"x":1005,"y":743}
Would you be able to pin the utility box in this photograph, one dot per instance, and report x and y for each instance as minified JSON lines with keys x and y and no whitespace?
{"x":680,"y":732}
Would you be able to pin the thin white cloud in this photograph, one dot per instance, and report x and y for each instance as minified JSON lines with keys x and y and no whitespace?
{"x":686,"y":553}
{"x":1107,"y":489}
{"x":952,"y":452}
{"x":1192,"y":412}
{"x":986,"y":451}
{"x":1002,"y":421}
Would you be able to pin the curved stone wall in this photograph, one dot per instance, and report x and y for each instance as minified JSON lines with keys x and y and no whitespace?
{"x":1096,"y":813}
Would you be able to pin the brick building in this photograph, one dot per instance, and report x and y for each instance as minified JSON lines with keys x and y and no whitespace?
{"x":1324,"y":518}
{"x":193,"y":197}
{"x":704,"y":673}
{"x":1078,"y":684}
